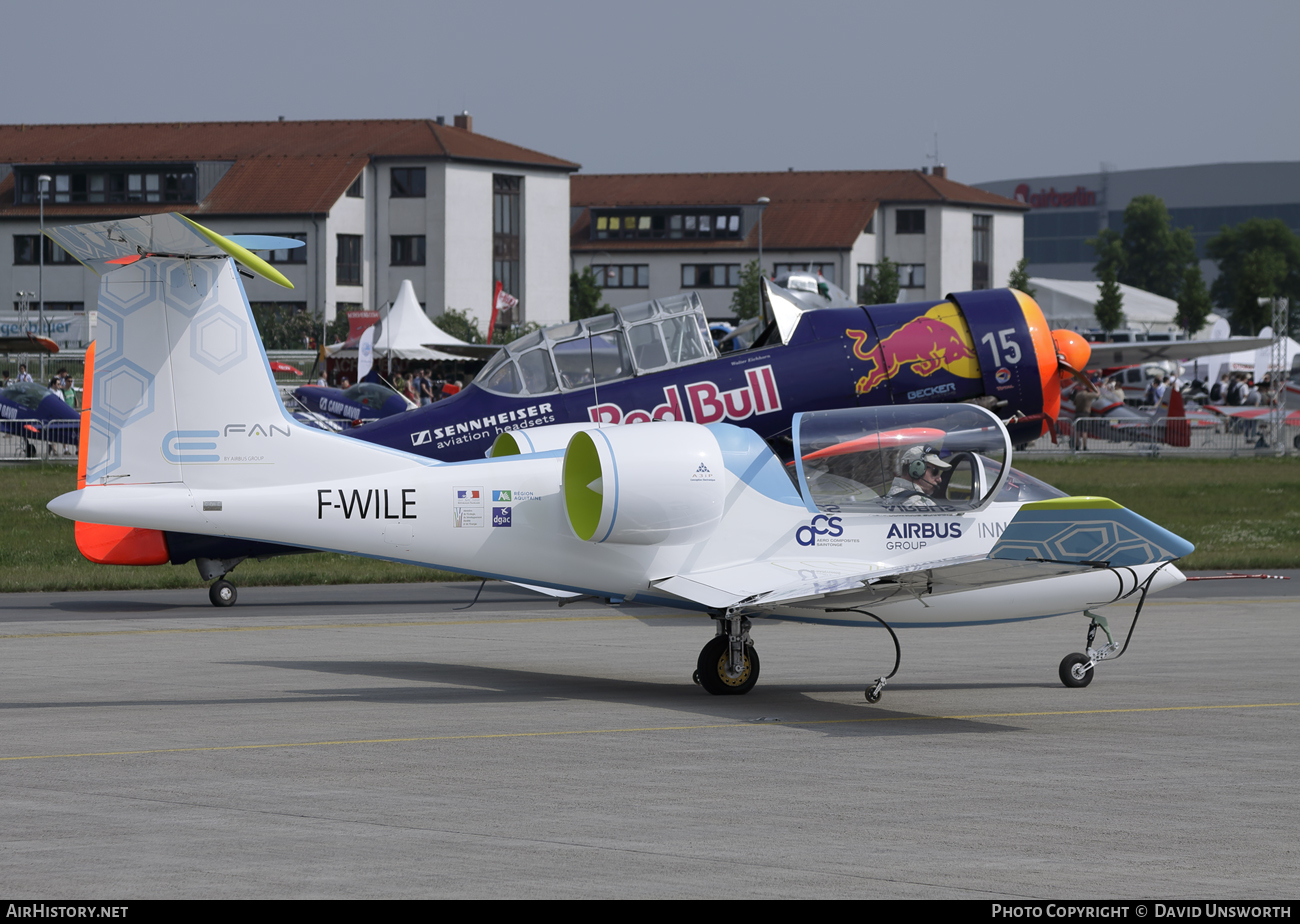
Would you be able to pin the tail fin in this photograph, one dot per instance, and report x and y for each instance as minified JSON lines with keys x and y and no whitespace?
{"x":183,"y":391}
{"x":99,"y":542}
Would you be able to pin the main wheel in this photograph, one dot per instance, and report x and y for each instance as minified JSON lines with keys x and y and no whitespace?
{"x":712,"y":669}
{"x":1072,"y":670}
{"x":222,"y":593}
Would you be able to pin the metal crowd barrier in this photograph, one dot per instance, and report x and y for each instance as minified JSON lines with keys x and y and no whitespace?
{"x":38,"y":440}
{"x":1233,"y":436}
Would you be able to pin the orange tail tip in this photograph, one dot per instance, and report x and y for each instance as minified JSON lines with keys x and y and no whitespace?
{"x":110,"y":545}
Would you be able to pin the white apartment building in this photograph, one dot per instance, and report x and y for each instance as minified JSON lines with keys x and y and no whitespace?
{"x":653,"y":235}
{"x":376,"y":202}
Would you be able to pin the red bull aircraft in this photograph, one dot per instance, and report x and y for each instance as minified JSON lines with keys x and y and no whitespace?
{"x":654,"y":361}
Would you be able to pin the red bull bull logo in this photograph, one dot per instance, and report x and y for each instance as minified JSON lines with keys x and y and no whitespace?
{"x":925,"y":344}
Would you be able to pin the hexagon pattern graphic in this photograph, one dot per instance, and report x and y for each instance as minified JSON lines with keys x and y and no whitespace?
{"x":219,"y":340}
{"x":188,"y":284}
{"x":126,"y":294}
{"x":124,"y":393}
{"x":109,"y":328}
{"x":1100,"y":537}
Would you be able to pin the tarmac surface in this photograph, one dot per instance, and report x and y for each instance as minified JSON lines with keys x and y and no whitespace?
{"x":385,"y":741}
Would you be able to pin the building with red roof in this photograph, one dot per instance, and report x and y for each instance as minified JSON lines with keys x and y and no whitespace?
{"x":652,"y":235}
{"x":377,"y":201}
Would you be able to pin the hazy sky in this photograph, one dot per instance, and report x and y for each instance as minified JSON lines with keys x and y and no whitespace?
{"x":1013,"y":89}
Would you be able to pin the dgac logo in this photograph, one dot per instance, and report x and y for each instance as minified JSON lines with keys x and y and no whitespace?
{"x":501,"y":516}
{"x":925,"y":344}
{"x":708,"y":404}
{"x":813,"y":530}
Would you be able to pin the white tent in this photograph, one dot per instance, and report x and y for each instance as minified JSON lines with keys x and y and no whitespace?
{"x":1069,"y":303}
{"x":402,"y":332}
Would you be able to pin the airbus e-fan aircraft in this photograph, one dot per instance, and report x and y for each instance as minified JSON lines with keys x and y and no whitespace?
{"x":904,"y":515}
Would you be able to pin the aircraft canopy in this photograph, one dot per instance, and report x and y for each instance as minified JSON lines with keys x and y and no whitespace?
{"x":877,"y":459}
{"x":647,"y":337}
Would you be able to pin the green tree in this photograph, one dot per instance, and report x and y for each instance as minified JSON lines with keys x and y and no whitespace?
{"x":460,"y":325}
{"x":1110,"y":307}
{"x":1019,"y":279}
{"x":1155,"y":254}
{"x":882,"y":287}
{"x":337,"y":330}
{"x":515,"y":332}
{"x":585,"y":296}
{"x":1259,"y":258}
{"x":285,"y":328}
{"x":747,"y":300}
{"x":1109,"y":248}
{"x":1193,"y":300}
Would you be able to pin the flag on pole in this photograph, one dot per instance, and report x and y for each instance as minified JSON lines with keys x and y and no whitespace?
{"x":500,"y":299}
{"x":365,"y":353}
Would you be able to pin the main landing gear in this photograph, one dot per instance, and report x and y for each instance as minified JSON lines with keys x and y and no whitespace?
{"x":222,"y":592}
{"x":728,"y":664}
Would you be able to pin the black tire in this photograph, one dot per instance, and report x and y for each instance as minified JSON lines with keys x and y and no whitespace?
{"x":712,"y":669}
{"x":223,"y":593}
{"x":1068,"y":673}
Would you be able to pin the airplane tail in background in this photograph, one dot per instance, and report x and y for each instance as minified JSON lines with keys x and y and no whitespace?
{"x":182,"y":390}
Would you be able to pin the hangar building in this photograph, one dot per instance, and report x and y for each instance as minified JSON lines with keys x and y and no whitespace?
{"x":1065,"y":211}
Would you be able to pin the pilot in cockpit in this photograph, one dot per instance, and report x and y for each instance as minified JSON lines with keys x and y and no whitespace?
{"x":920,"y":475}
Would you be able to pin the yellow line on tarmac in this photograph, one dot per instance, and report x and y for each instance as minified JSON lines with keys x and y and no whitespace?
{"x":650,"y":728}
{"x":484,"y":621}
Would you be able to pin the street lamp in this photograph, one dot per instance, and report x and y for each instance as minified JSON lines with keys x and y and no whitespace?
{"x":42,"y":184}
{"x":762,"y":206}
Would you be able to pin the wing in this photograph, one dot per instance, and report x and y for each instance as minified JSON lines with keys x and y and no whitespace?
{"x":1130,"y":354}
{"x":1044,"y":539}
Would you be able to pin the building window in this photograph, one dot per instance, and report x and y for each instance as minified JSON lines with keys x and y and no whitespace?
{"x":152,"y":183}
{"x":645,"y":224}
{"x":356,"y":190}
{"x":506,"y":236}
{"x":407,"y":183}
{"x":911,"y":275}
{"x":710,"y":275}
{"x":871,"y":225}
{"x":825,"y":270}
{"x":407,"y":250}
{"x":981,"y":250}
{"x":347,"y":269}
{"x":866,"y":275}
{"x":635,"y":276}
{"x":25,"y":253}
{"x":909,"y":221}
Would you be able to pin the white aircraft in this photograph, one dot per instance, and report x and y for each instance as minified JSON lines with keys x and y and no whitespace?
{"x":907,"y":516}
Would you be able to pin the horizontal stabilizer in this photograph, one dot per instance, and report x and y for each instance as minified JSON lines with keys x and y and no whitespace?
{"x":109,"y":245}
{"x":1088,"y":530}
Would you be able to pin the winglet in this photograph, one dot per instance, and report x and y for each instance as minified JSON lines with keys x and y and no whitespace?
{"x":243,"y":255}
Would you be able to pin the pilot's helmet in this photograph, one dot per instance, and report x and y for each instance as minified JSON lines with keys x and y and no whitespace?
{"x":913,"y":461}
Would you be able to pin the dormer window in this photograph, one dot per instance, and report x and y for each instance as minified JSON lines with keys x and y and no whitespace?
{"x":143,"y":183}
